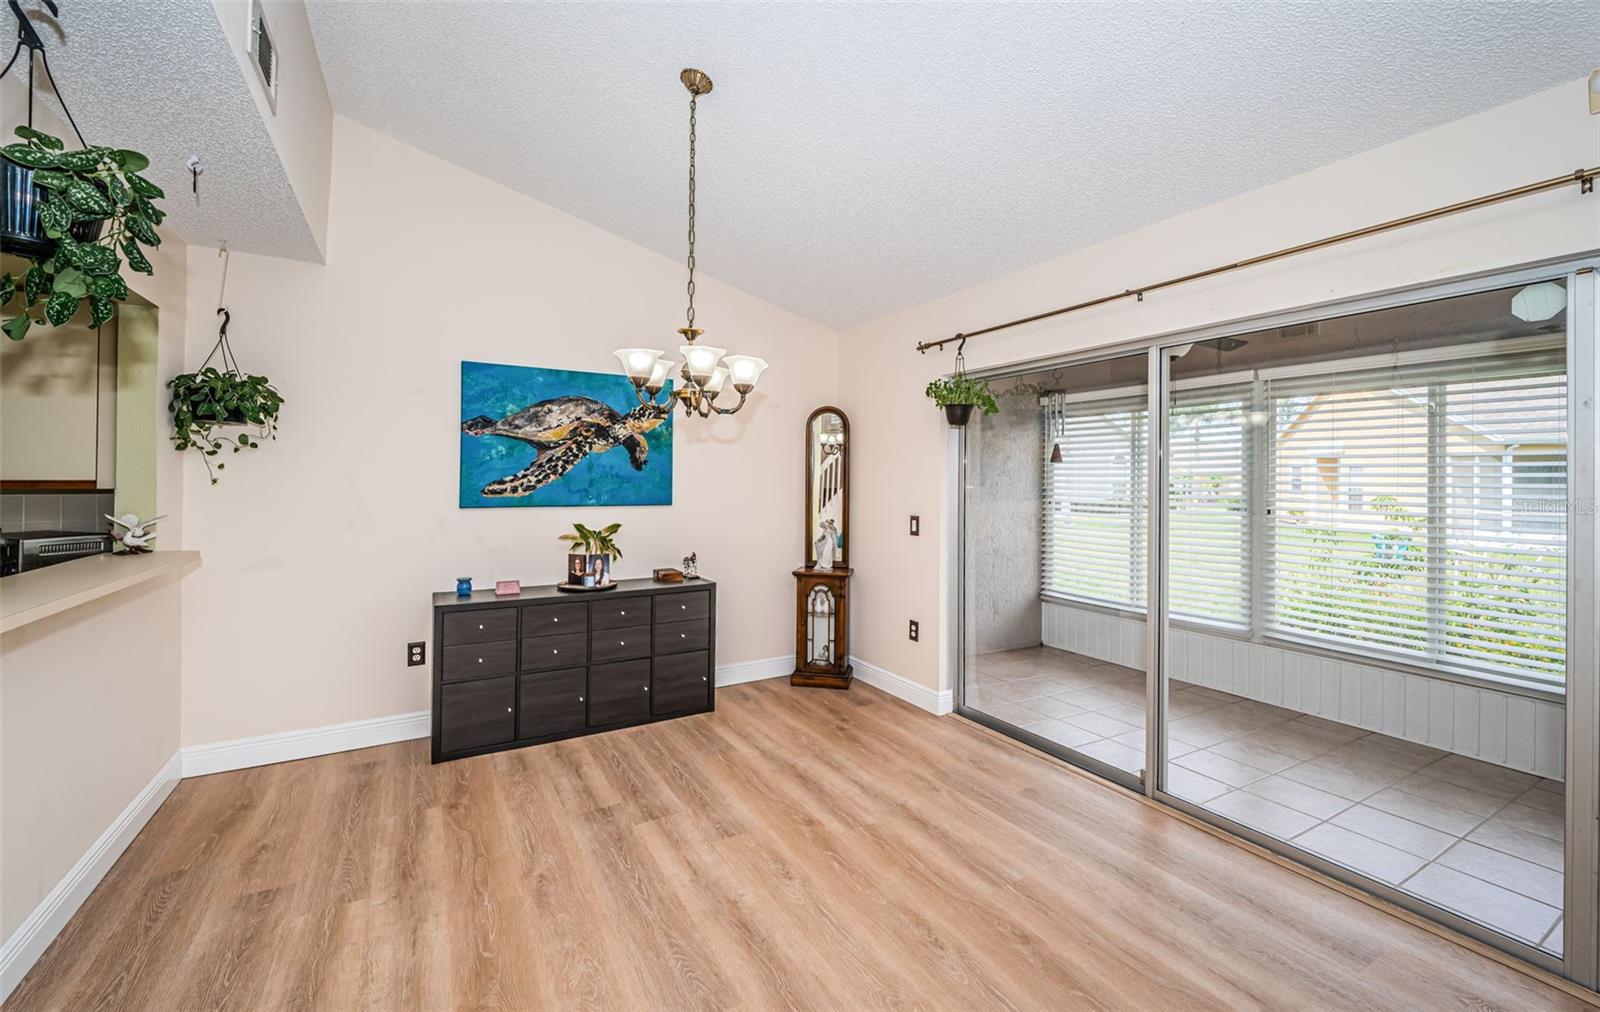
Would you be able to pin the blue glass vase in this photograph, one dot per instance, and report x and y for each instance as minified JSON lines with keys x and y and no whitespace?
{"x":463,"y":586}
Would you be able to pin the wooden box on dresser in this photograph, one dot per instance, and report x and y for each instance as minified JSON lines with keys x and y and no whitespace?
{"x":547,"y":664}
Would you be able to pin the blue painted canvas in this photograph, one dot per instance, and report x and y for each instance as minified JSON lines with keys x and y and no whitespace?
{"x":554,"y":437}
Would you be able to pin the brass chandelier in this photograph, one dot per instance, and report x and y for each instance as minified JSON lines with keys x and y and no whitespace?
{"x":706,"y":370}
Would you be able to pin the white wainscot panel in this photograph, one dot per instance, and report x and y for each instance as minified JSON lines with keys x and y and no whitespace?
{"x":1498,"y":727}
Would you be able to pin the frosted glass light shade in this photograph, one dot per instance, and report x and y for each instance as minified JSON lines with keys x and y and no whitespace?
{"x":701,"y":359}
{"x":637,"y":362}
{"x":1539,"y":302}
{"x":658,"y":375}
{"x":744,"y":370}
{"x":713,"y":386}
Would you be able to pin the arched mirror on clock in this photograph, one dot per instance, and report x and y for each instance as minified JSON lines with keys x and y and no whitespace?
{"x":822,"y":645}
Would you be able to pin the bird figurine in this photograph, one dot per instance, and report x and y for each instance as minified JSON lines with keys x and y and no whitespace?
{"x":135,"y":535}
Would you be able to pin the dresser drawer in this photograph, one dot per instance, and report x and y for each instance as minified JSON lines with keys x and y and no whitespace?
{"x":620,"y":644}
{"x":474,"y":660}
{"x":551,"y":702}
{"x":619,"y":613}
{"x":619,"y":693}
{"x":561,"y":651}
{"x":555,"y":619}
{"x":681,"y":682}
{"x":476,"y":714}
{"x":682,"y":607}
{"x":681,"y":637}
{"x":484,"y":626}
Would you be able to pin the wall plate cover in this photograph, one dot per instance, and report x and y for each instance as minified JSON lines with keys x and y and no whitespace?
{"x":915,"y":630}
{"x":415,"y":654}
{"x":916,"y":526}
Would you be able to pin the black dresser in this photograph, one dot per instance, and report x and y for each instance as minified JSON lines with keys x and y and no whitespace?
{"x":546,"y":664}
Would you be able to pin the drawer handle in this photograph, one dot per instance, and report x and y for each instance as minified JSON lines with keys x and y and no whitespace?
{"x":647,"y":688}
{"x":624,"y":611}
{"x":683,"y":636}
{"x":508,"y":709}
{"x":580,"y":699}
{"x":683,"y":607}
{"x":555,"y":619}
{"x":480,"y":625}
{"x":480,"y":660}
{"x":622,"y":643}
{"x":555,"y":651}
{"x":702,"y":678}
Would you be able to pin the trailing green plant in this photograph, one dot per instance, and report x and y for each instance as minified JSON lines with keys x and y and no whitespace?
{"x":92,"y":184}
{"x":962,"y":389}
{"x":204,"y":401}
{"x":595,"y":542}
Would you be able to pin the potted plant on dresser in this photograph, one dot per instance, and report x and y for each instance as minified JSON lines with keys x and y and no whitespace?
{"x":589,"y":560}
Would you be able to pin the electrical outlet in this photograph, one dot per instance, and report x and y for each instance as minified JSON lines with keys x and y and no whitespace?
{"x":415,"y":652}
{"x":916,"y":526}
{"x":915,"y":630}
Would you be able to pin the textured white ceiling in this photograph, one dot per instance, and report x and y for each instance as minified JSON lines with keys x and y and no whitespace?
{"x":858,"y":158}
{"x":158,"y":76}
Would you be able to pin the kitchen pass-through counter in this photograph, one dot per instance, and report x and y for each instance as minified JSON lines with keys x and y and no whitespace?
{"x":38,"y":594}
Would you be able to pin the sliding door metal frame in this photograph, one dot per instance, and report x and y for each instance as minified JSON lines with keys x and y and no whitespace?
{"x":1583,"y":652}
{"x":1155,"y":591}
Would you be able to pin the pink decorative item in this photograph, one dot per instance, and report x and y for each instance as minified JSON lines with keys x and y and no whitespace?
{"x":507,"y":588}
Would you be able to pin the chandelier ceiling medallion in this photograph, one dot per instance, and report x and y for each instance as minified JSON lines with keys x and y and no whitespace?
{"x":706,"y":370}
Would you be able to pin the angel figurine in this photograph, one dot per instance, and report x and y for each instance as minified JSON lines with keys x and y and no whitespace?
{"x":135,"y":535}
{"x":826,"y":544}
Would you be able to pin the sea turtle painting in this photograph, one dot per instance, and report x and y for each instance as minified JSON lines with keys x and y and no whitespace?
{"x":567,"y":419}
{"x":564,"y":431}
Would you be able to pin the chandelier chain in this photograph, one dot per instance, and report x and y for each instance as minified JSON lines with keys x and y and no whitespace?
{"x":692,"y":100}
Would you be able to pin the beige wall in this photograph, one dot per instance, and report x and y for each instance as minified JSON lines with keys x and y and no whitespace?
{"x":301,"y":126}
{"x":321,"y":549}
{"x":86,"y":720}
{"x":901,"y":439}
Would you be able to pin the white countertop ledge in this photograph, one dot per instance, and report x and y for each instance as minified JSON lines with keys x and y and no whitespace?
{"x":29,"y":597}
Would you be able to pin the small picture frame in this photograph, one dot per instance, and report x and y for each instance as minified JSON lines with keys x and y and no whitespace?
{"x":507,"y":588}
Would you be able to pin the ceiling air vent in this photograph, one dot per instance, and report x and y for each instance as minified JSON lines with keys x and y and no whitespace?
{"x":263,"y":53}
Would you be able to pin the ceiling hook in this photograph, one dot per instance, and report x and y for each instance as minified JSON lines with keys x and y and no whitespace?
{"x":26,"y":36}
{"x":227,"y":317}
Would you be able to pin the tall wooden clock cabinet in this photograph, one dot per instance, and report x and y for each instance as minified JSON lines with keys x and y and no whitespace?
{"x":822,"y":585}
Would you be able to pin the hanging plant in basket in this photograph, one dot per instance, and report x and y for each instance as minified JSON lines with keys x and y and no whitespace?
{"x":76,"y":215}
{"x":959,"y":393}
{"x":212,"y":399}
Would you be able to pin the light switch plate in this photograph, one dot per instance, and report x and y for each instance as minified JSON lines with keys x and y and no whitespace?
{"x":916,"y":526}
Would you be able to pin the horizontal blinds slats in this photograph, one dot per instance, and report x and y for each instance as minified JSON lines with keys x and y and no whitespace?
{"x":1095,"y":509}
{"x":1208,"y":526}
{"x":1421,"y":508}
{"x":1418,"y":508}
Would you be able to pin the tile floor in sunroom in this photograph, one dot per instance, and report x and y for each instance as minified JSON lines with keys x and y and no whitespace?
{"x":1472,"y":837}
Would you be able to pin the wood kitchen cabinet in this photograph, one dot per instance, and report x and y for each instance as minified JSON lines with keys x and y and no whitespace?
{"x":545,"y":665}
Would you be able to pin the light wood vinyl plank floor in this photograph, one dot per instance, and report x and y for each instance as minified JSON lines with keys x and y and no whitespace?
{"x":803,"y":849}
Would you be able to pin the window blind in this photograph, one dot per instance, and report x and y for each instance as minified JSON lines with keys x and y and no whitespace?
{"x":1420,"y":508}
{"x":1208,"y":518}
{"x":1095,"y":501}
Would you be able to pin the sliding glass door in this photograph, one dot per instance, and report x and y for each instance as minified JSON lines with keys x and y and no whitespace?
{"x":1055,"y":563}
{"x":1327,"y":582}
{"x":1364,"y":614}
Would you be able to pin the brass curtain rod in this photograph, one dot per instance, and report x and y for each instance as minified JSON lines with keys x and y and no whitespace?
{"x":1584,"y":178}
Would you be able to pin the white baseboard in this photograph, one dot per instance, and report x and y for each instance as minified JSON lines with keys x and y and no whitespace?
{"x":754,"y":671}
{"x":19,"y":952}
{"x":266,"y":749}
{"x":938,"y":703}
